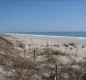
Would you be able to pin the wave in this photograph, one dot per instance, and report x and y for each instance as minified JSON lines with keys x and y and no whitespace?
{"x":67,"y":37}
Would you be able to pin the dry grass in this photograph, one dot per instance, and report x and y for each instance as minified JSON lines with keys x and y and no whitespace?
{"x":5,"y":35}
{"x":72,"y":44}
{"x":66,"y":45}
{"x":25,"y":69}
{"x":10,"y":60}
{"x":72,"y":73}
{"x":83,"y":46}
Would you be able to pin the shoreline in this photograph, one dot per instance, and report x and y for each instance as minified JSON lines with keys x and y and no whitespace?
{"x":48,"y":36}
{"x":66,"y":44}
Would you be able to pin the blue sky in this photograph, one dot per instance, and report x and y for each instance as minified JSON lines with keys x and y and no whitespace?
{"x":32,"y":16}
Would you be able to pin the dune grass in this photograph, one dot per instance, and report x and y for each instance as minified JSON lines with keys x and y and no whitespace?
{"x":22,"y":68}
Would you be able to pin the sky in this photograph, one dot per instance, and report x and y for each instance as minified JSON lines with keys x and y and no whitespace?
{"x":42,"y":15}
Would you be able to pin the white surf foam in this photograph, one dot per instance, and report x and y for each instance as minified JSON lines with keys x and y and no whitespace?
{"x":67,"y":37}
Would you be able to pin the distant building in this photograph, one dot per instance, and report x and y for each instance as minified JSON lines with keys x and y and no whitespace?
{"x":4,"y":42}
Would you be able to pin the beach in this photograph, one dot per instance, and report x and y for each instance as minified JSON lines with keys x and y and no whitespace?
{"x":43,"y":40}
{"x":42,"y":54}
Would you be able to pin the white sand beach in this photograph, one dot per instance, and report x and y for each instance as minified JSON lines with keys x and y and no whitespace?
{"x":50,"y":51}
{"x":41,"y":40}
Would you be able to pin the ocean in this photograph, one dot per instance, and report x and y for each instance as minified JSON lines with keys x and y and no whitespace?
{"x":70,"y":34}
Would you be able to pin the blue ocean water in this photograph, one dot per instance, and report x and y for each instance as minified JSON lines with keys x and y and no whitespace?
{"x":71,"y":34}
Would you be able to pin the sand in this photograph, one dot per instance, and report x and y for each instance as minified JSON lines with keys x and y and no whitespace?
{"x":56,"y":42}
{"x":71,"y":50}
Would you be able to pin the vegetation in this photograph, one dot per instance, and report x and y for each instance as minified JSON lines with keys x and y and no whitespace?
{"x":14,"y":66}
